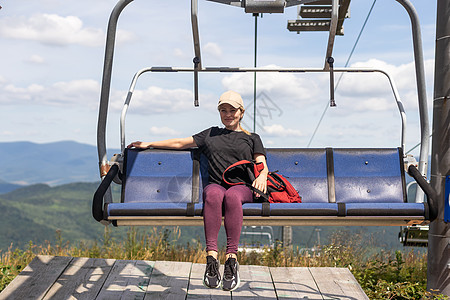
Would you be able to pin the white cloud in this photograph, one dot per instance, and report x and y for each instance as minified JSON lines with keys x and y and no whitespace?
{"x":375,"y":85}
{"x":212,"y":49}
{"x":279,"y":130}
{"x":372,"y":104}
{"x":155,"y":100}
{"x":356,"y":92}
{"x":52,"y":29}
{"x":178,"y":52}
{"x":86,"y":92}
{"x":75,"y":92}
{"x":403,"y":75}
{"x":6,"y":133}
{"x":19,"y":95}
{"x":164,"y":131}
{"x":79,"y":92}
{"x":36,"y":59}
{"x":293,"y":88}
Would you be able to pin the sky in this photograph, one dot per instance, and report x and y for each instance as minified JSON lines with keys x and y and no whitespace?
{"x":52,"y":63}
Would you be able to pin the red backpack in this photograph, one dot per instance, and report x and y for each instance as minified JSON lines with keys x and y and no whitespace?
{"x":279,"y":189}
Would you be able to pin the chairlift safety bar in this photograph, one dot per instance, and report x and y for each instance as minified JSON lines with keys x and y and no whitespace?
{"x":261,"y":70}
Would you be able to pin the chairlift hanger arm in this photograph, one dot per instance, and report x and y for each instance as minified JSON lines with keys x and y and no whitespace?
{"x":106,"y":84}
{"x":195,"y":33}
{"x":332,"y":32}
{"x":197,"y":50}
{"x":421,"y":91}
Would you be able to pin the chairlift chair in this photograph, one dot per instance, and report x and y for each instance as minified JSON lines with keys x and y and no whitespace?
{"x":339,"y":186}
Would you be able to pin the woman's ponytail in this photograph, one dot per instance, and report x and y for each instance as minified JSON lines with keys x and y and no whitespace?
{"x":240,"y":126}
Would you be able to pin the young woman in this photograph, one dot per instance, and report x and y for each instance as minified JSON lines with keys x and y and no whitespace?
{"x":223,"y":147}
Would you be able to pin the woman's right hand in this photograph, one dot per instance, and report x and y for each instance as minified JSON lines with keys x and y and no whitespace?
{"x":139,"y":145}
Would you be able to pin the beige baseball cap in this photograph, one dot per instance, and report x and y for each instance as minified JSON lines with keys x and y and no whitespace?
{"x":232,"y":98}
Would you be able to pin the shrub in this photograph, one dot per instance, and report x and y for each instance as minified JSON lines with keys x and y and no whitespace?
{"x":382,"y":275}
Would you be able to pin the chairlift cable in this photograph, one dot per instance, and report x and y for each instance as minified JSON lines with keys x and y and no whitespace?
{"x":407,"y":152}
{"x":340,"y":77}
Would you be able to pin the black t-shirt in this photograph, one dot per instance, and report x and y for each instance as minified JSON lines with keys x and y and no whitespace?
{"x":224,"y":147}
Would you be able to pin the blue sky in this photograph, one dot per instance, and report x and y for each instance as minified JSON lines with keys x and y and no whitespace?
{"x":52,"y":59}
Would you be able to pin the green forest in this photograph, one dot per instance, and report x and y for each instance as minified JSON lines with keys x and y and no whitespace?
{"x":40,"y":213}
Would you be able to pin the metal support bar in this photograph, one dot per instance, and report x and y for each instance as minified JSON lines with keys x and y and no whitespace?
{"x":196,"y":67}
{"x":198,"y":56}
{"x":429,"y":190}
{"x":195,"y":32}
{"x":276,"y":221}
{"x":106,"y":87}
{"x":421,"y":92}
{"x":97,"y":203}
{"x":344,"y":13}
{"x":438,"y":277}
{"x":333,"y":27}
{"x":330,"y":61}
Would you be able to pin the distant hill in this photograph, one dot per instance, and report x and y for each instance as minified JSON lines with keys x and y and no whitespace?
{"x":39,"y":212}
{"x":25,"y":163}
{"x":35,"y":213}
{"x":6,"y":187}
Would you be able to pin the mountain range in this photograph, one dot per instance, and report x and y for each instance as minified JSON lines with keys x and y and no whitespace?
{"x":26,"y":163}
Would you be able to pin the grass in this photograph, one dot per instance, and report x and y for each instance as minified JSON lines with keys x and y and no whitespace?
{"x":382,"y":275}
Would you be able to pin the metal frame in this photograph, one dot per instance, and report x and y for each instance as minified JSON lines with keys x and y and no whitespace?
{"x":108,"y":62}
{"x":332,"y":34}
{"x":276,"y":221}
{"x":421,"y":92}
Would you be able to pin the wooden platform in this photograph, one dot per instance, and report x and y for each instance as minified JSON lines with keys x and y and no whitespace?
{"x":57,"y":277}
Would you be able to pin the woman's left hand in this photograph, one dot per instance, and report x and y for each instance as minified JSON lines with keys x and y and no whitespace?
{"x":260,"y":183}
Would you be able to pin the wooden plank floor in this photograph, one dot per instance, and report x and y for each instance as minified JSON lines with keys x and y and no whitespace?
{"x":57,"y":277}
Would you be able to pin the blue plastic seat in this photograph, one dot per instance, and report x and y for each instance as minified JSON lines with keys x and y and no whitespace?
{"x":157,"y":176}
{"x":337,"y":186}
{"x":369,"y":176}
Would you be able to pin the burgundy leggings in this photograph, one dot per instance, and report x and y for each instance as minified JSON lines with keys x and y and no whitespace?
{"x":215,"y":197}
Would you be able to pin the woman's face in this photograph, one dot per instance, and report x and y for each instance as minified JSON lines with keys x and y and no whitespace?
{"x":230,"y":116}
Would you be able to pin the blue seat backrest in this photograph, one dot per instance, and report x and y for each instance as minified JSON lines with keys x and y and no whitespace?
{"x":369,"y":175}
{"x":157,"y":176}
{"x":320,"y":175}
{"x":306,"y":170}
